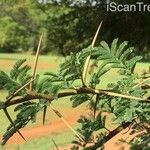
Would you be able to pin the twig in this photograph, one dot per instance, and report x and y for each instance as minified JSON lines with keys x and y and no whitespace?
{"x":66,"y":123}
{"x":122,"y":95}
{"x":83,"y":90}
{"x":55,"y":144}
{"x":141,"y":83}
{"x":21,"y":88}
{"x":109,"y":136}
{"x":36,"y":61}
{"x":11,"y":121}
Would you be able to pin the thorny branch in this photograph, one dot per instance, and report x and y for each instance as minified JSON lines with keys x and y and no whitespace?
{"x":33,"y":95}
{"x":81,"y":90}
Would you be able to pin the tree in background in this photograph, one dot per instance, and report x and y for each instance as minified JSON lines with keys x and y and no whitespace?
{"x":21,"y":24}
{"x":69,"y":25}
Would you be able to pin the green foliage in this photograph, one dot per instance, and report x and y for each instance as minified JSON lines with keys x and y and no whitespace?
{"x":141,"y":143}
{"x":117,"y":56}
{"x":26,"y":112}
{"x":124,"y":99}
{"x":79,"y":99}
{"x":19,"y":75}
{"x":11,"y":35}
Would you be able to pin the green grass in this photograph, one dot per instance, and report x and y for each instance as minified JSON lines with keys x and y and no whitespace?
{"x":61,"y":138}
{"x":45,"y":143}
{"x":16,"y":56}
{"x":63,"y":105}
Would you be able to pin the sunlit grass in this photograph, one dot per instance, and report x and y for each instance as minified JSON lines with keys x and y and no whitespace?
{"x":29,"y":57}
{"x":61,"y":137}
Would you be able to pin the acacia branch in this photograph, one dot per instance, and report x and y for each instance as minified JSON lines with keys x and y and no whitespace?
{"x":13,"y":124}
{"x":66,"y":123}
{"x":82,"y":90}
{"x":140,"y":83}
{"x":109,"y":136}
{"x":32,"y":95}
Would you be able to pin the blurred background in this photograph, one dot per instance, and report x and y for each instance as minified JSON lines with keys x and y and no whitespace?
{"x":69,"y":25}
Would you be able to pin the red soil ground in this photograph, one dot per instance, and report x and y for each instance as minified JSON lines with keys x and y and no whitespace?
{"x":9,"y":63}
{"x":40,"y":131}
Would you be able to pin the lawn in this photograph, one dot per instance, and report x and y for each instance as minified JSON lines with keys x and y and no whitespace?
{"x":50,"y":63}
